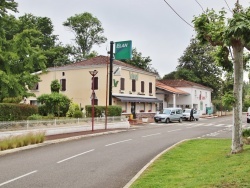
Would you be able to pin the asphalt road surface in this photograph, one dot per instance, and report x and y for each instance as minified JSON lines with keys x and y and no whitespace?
{"x":103,"y":161}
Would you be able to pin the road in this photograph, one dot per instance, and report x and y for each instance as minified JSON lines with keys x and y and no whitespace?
{"x":102,"y":161}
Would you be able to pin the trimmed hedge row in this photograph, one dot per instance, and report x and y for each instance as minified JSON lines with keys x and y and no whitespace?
{"x":100,"y":110}
{"x":13,"y":112}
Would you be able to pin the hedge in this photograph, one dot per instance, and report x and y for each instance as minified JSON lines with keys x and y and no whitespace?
{"x":100,"y":110}
{"x":14,"y":112}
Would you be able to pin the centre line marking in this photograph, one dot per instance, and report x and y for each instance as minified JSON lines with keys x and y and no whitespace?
{"x":4,"y":183}
{"x":174,"y":130}
{"x":118,"y":142}
{"x":75,"y":156}
{"x":151,"y":135}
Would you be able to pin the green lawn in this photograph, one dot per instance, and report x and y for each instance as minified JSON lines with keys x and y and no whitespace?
{"x":199,"y":163}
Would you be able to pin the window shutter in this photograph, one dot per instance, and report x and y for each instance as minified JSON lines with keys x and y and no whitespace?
{"x":142,"y":86}
{"x":122,"y":86}
{"x":150,"y":87}
{"x":133,"y":85}
{"x":63,"y":84}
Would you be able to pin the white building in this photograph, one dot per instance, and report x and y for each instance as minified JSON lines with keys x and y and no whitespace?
{"x":184,"y":94}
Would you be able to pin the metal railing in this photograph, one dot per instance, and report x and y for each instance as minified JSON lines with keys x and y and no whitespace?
{"x":34,"y":124}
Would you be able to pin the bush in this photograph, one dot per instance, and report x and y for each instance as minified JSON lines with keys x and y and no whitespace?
{"x":78,"y":114}
{"x":246,"y":133}
{"x":99,"y":110}
{"x":13,"y":112}
{"x":13,"y":100}
{"x":35,"y":117}
{"x":72,"y":108}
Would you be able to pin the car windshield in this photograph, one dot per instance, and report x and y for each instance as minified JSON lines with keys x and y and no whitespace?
{"x":165,"y":111}
{"x":186,"y":111}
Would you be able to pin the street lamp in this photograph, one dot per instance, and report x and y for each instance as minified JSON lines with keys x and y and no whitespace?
{"x":93,"y":73}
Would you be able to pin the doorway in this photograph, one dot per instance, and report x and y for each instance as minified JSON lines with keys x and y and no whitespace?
{"x":133,"y":109}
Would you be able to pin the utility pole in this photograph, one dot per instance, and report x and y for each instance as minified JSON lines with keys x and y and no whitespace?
{"x":111,"y":72}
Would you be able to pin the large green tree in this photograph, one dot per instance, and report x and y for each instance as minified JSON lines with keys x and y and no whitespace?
{"x":214,"y":28}
{"x":197,"y":64}
{"x":88,"y":32}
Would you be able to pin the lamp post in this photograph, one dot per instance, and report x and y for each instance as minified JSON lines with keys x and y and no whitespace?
{"x":93,"y":73}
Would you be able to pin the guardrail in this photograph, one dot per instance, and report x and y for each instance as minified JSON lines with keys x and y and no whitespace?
{"x":41,"y":124}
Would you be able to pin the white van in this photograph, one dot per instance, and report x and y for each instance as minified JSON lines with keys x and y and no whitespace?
{"x":169,"y":114}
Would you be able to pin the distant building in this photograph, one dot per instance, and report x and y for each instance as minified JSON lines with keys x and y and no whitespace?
{"x":184,"y":94}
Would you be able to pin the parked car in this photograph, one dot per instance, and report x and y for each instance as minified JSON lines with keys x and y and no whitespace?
{"x":169,"y":114}
{"x":186,"y":114}
{"x":248,"y":115}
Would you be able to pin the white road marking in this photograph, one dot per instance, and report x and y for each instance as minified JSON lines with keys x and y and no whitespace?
{"x":75,"y":156}
{"x":118,"y":142}
{"x":174,"y":130}
{"x":151,"y":135}
{"x":219,"y":125}
{"x":4,"y":183}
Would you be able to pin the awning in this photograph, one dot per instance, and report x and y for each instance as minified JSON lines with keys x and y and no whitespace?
{"x":138,"y":99}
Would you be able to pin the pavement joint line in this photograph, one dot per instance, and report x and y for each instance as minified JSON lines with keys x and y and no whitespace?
{"x":49,"y":142}
{"x":151,"y":162}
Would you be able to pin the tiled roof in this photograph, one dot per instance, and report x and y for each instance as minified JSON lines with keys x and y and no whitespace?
{"x":160,"y":85}
{"x":100,"y":60}
{"x":183,"y":83}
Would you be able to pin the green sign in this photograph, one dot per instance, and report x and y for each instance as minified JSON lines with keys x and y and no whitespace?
{"x":123,"y":50}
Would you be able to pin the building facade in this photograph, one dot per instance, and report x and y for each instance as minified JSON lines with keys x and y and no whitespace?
{"x":132,"y":88}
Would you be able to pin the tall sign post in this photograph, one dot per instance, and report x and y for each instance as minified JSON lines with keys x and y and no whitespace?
{"x":123,"y":50}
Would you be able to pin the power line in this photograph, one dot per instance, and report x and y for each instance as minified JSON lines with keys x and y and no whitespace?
{"x":228,"y":6}
{"x":178,"y":14}
{"x":200,"y":5}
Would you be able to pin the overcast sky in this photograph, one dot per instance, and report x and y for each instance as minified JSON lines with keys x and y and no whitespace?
{"x":155,"y":30}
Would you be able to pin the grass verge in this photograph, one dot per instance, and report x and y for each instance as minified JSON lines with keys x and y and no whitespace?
{"x":22,"y":140}
{"x":201,"y":163}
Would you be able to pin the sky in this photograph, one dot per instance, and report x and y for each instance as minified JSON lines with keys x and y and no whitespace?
{"x":154,"y":28}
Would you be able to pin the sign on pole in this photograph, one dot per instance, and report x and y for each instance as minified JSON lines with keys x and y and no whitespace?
{"x":123,"y":50}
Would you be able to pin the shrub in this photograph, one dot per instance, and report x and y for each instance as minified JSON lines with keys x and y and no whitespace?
{"x":72,"y":108}
{"x":12,"y":112}
{"x":246,"y":133}
{"x":13,"y":99}
{"x":111,"y":110}
{"x":35,"y":117}
{"x":78,"y":114}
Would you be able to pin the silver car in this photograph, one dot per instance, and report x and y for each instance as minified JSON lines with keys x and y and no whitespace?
{"x":169,"y":114}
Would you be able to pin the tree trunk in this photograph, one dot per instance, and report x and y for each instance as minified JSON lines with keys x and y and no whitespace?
{"x":237,"y":143}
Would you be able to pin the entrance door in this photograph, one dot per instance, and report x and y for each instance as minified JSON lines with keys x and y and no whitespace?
{"x":133,"y":109}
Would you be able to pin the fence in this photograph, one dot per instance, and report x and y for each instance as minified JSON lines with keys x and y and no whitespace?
{"x":41,"y":124}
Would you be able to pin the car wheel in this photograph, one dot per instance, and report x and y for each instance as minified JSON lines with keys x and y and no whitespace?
{"x":197,"y":119}
{"x":180,"y":120}
{"x":156,"y":121}
{"x":167,"y":120}
{"x":248,"y":120}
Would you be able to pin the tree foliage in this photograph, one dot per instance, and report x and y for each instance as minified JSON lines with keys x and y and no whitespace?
{"x":214,"y":28}
{"x":88,"y":32}
{"x":141,"y":62}
{"x":197,"y":64}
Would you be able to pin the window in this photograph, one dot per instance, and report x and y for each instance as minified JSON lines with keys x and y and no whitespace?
{"x":122,"y":86}
{"x":63,"y":84}
{"x":95,"y":83}
{"x":35,"y":87}
{"x":133,"y":85}
{"x":150,"y":87}
{"x":95,"y":101}
{"x":142,"y":86}
{"x":63,"y":73}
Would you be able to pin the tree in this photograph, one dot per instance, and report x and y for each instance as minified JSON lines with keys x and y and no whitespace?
{"x":55,"y":86}
{"x":212,"y":28}
{"x":197,"y":64}
{"x":88,"y":32}
{"x":141,"y":62}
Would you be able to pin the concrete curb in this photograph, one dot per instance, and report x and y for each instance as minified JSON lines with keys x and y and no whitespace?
{"x":56,"y":141}
{"x":150,"y":162}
